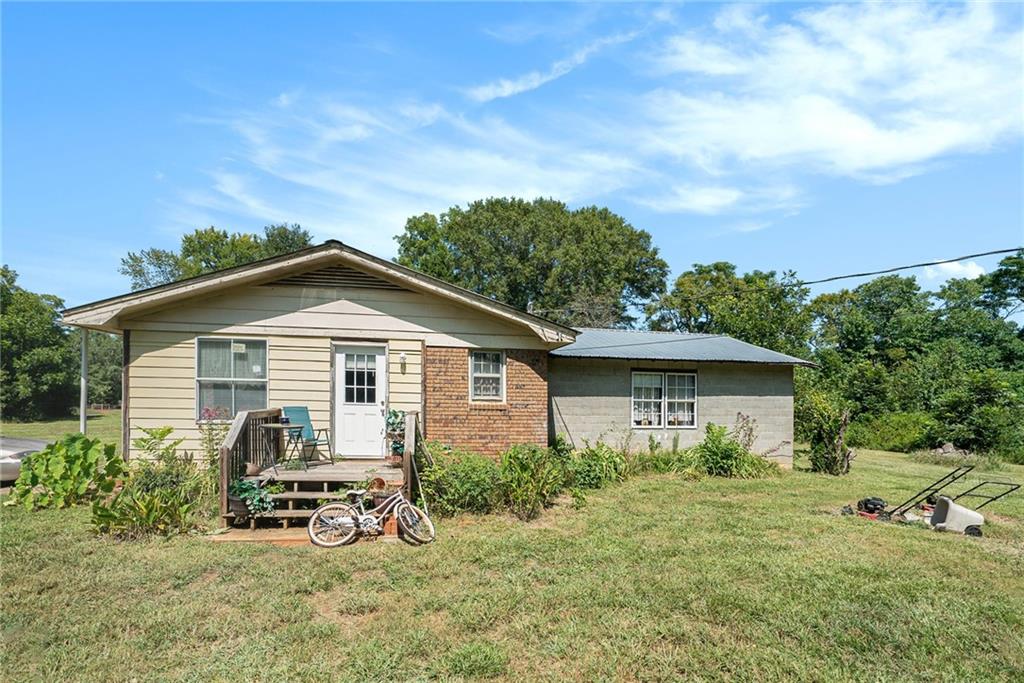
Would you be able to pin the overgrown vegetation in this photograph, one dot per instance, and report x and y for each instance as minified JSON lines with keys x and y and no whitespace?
{"x":531,"y":476}
{"x":67,"y":472}
{"x":527,"y":478}
{"x":826,"y":420}
{"x":165,"y":492}
{"x":461,"y":481}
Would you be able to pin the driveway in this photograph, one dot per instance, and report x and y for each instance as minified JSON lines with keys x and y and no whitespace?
{"x":11,"y":453}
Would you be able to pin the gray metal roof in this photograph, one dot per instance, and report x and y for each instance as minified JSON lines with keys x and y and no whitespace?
{"x":641,"y":345}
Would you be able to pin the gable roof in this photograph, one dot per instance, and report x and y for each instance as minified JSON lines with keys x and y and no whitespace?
{"x":642,"y":345}
{"x":106,"y":314}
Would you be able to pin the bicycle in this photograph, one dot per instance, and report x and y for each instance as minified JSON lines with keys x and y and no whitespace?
{"x":335,"y":524}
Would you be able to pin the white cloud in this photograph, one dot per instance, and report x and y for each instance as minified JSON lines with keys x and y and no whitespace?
{"x":956,"y":269}
{"x":716,"y":199}
{"x":507,"y":87}
{"x":872,"y":90}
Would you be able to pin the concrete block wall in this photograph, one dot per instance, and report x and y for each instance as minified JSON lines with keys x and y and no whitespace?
{"x":590,"y":400}
{"x":485,"y":427}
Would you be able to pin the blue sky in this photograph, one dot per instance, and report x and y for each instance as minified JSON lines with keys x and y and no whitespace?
{"x":820,"y":138}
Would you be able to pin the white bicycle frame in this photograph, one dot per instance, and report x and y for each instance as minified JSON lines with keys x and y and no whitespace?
{"x":370,"y":522}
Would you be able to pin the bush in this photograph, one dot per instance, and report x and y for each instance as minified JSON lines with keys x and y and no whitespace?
{"x":902,"y":432}
{"x":161,"y":495}
{"x":826,"y":421}
{"x":134,"y":514}
{"x":530,"y":476}
{"x":67,"y":472}
{"x":720,"y":454}
{"x":461,"y":481}
{"x":596,"y":466}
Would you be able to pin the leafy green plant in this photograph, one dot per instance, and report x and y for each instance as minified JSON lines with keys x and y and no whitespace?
{"x":826,"y":421}
{"x":461,"y":481}
{"x":395,"y":421}
{"x":721,"y":455}
{"x":256,"y":499}
{"x":213,"y":429}
{"x":155,"y":444}
{"x":133,"y":514}
{"x":67,"y":472}
{"x":162,"y":494}
{"x":531,"y":476}
{"x":596,"y":466}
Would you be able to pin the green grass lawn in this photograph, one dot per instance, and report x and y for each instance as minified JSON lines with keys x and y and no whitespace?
{"x":102,"y":424}
{"x":656,"y":579}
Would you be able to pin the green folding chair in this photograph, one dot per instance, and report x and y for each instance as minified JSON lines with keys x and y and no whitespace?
{"x":304,"y":435}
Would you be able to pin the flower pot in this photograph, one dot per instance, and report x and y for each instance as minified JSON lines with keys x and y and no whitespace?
{"x":238,"y":507}
{"x":252,"y":469}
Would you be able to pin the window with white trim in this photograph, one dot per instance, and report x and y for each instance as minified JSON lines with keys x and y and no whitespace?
{"x":231,"y":376}
{"x":664,"y":399}
{"x":487,"y":376}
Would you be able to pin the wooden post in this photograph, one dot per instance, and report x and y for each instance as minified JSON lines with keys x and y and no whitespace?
{"x":126,"y":357}
{"x":83,"y":384}
{"x":409,"y":453}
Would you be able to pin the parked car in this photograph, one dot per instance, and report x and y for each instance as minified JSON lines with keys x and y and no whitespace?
{"x":12,"y":451}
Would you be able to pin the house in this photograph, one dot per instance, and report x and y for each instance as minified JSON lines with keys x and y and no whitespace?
{"x":351,"y":335}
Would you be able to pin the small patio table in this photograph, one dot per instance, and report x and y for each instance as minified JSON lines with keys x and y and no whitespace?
{"x":273,"y":432}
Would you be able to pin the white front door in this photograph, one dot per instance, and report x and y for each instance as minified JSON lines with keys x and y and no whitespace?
{"x":360,"y":386}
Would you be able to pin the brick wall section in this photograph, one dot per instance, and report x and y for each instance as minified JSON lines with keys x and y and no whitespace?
{"x":484,"y":427}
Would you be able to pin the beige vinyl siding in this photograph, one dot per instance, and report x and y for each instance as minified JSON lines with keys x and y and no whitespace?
{"x":349,"y":313}
{"x":301,"y":325}
{"x":405,"y":381}
{"x":162,"y":382}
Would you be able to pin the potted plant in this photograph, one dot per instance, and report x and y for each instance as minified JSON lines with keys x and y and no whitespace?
{"x":396,"y":437}
{"x":246,"y":498}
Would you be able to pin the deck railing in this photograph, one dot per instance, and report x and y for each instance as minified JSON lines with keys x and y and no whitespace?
{"x":244,"y":443}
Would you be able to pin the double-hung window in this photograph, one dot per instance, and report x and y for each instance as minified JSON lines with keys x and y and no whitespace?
{"x":664,"y":399}
{"x":487,"y":376}
{"x":231,"y":376}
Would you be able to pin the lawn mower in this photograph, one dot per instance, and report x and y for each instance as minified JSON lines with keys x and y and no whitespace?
{"x":941,"y":512}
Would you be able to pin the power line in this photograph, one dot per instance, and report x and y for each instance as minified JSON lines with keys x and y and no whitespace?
{"x":804,"y":283}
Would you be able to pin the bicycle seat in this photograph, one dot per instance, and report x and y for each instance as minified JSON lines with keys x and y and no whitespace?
{"x":355,"y":493}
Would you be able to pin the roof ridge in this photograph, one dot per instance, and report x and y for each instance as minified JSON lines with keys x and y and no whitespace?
{"x":627,"y":329}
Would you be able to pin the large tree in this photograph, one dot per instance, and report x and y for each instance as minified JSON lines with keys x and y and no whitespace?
{"x":38,"y":368}
{"x":759,"y":307}
{"x":586,"y":266}
{"x":206,"y":250}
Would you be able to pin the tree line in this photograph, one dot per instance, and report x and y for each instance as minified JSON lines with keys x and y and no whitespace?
{"x":912,"y":367}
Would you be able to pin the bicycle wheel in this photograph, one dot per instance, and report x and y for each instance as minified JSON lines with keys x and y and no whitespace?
{"x":414,"y":523}
{"x":332,"y":525}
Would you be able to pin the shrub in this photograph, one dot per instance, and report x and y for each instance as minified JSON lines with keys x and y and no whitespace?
{"x":596,"y":466}
{"x":134,"y":514}
{"x":530,"y":476}
{"x":67,"y":472}
{"x":461,"y":481}
{"x":826,"y":422}
{"x":721,"y":455}
{"x":903,"y":432}
{"x":161,"y":495}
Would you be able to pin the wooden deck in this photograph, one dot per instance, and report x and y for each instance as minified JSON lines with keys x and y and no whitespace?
{"x":350,"y":471}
